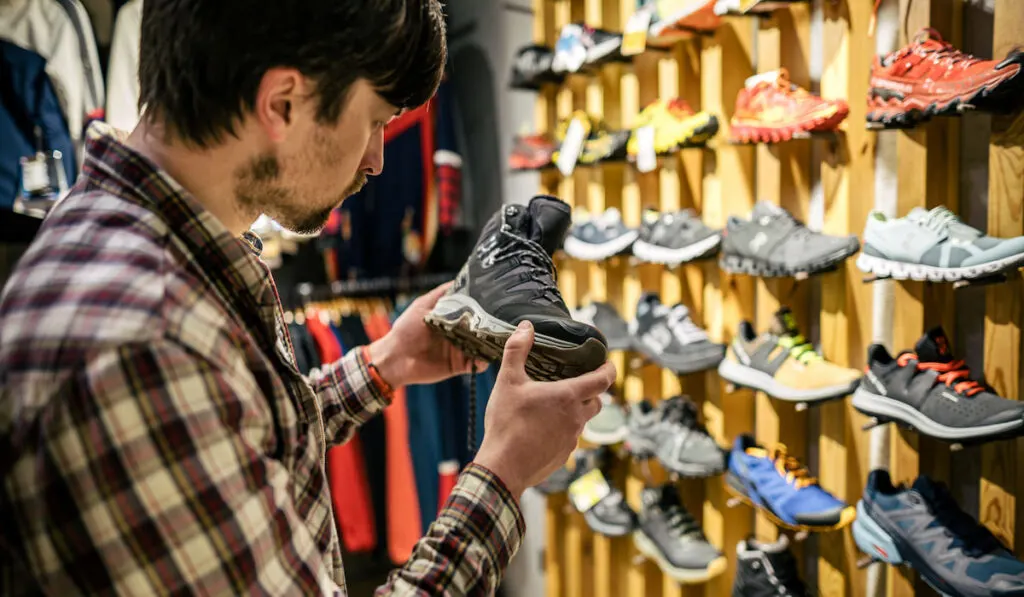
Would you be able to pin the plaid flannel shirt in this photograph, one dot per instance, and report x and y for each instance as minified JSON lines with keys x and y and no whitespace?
{"x":155,"y":435}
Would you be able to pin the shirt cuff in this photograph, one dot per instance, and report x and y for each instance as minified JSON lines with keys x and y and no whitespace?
{"x":380,"y":390}
{"x":481,"y":502}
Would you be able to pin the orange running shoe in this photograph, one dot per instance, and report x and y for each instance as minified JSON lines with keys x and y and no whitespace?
{"x":771,"y":109}
{"x":930,"y":77}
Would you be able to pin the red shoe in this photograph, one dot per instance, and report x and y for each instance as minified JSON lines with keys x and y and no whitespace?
{"x":771,"y":109}
{"x":532,"y":152}
{"x":932,"y":78}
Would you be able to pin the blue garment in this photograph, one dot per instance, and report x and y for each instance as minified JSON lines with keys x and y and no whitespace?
{"x":425,"y":446}
{"x":28,"y":102}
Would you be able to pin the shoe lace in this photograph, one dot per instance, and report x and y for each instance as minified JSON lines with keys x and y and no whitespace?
{"x":682,"y":326}
{"x":800,"y":349}
{"x":949,"y":373}
{"x":939,"y":219}
{"x":684,"y":413}
{"x":974,"y":538}
{"x":945,"y":51}
{"x":680,"y":522}
{"x":795,"y":472}
{"x":786,"y":573}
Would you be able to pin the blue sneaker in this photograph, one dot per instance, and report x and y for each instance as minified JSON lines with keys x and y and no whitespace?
{"x":783,"y":488}
{"x":922,"y":526}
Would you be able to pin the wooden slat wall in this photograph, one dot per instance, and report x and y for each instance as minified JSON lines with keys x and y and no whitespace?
{"x":1001,"y":480}
{"x":726,"y":179}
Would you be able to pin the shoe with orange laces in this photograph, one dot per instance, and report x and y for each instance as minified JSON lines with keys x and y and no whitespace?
{"x":783,"y":488}
{"x":930,"y":77}
{"x":932,"y":392}
{"x":770,"y":109}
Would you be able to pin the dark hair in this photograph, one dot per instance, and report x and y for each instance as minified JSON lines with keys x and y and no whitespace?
{"x":201,"y":61}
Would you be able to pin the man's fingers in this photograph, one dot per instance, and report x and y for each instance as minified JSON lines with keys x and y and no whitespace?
{"x":591,"y":384}
{"x":516,"y":350}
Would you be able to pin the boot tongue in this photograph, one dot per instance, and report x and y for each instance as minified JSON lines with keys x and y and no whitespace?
{"x":933,"y":347}
{"x":547,"y":222}
{"x":783,"y":323}
{"x":925,"y":487}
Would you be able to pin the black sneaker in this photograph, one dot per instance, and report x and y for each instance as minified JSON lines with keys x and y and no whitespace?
{"x":767,"y":570}
{"x":612,"y":516}
{"x":510,"y":278}
{"x":930,"y":391}
{"x":605,"y":318}
{"x":670,"y":536}
{"x":674,"y":238}
{"x":772,"y":243}
{"x":532,"y":68}
{"x":599,"y":238}
{"x":672,"y":432}
{"x":669,"y":337}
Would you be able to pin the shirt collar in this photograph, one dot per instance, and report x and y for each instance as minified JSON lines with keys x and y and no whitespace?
{"x":232,"y":263}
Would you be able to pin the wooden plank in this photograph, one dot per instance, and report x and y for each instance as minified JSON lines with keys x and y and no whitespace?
{"x":928,"y":168}
{"x":726,"y":59}
{"x":783,"y":179}
{"x":846,"y":316}
{"x":1001,"y":482}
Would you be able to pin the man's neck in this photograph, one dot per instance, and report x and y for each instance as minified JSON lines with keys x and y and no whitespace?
{"x":207,"y":174}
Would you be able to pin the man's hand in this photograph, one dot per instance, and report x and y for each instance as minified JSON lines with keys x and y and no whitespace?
{"x":531,"y":427}
{"x":411,"y":353}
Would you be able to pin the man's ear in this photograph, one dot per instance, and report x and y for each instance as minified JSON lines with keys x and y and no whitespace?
{"x":277,"y":98}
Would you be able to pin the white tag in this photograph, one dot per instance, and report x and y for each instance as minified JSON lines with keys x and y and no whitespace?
{"x":35,"y":176}
{"x":647,"y":157}
{"x":569,"y":153}
{"x":634,"y":40}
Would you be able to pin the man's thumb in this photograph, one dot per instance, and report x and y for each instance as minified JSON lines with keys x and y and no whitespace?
{"x":517,"y":348}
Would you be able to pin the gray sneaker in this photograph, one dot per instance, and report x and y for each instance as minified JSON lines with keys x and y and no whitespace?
{"x":612,"y":516}
{"x":671,"y":432}
{"x":936,"y":246}
{"x":608,"y":427}
{"x":600,"y":237}
{"x":669,"y":337}
{"x":674,"y":238}
{"x":772,"y":243}
{"x":607,"y":320}
{"x":670,"y":536}
{"x":922,"y":526}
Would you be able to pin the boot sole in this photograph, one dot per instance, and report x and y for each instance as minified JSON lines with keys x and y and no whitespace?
{"x":478,"y":334}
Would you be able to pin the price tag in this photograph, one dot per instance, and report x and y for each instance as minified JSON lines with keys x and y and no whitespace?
{"x":35,"y":176}
{"x":588,"y":490}
{"x":634,"y":40}
{"x":647,"y":157}
{"x":569,"y":153}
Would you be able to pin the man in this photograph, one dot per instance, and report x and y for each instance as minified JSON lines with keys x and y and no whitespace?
{"x":155,"y":436}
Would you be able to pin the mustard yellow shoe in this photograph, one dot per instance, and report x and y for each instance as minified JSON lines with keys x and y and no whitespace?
{"x":782,"y":364}
{"x":675,"y":125}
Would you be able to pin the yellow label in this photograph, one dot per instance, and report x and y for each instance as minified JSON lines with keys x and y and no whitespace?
{"x":588,"y":490}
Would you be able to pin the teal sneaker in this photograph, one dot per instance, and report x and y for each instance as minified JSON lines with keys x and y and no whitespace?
{"x":934,"y":246}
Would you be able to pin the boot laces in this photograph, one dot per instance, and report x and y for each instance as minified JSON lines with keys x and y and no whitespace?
{"x":681,"y":522}
{"x":950,"y":374}
{"x":796,"y":473}
{"x":799,"y":348}
{"x":682,"y":326}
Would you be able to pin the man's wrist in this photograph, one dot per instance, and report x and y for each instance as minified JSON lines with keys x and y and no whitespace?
{"x":513,"y":484}
{"x":388,"y":365}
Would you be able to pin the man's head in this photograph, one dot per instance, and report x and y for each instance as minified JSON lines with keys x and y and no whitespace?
{"x":306,"y":86}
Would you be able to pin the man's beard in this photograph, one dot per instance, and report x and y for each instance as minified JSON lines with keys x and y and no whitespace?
{"x":257,"y":190}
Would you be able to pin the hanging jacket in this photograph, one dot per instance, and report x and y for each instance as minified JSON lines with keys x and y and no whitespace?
{"x":123,"y":69}
{"x":60,"y":32}
{"x":28,"y":102}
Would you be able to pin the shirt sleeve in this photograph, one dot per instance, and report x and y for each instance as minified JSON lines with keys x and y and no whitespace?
{"x":468,"y":547}
{"x":149,"y":476}
{"x":349,"y":393}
